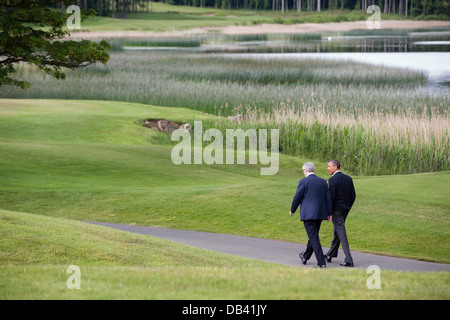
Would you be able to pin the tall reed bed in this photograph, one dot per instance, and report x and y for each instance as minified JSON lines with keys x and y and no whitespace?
{"x":216,"y":84}
{"x":301,"y":72}
{"x":367,"y":143}
{"x":119,"y":44}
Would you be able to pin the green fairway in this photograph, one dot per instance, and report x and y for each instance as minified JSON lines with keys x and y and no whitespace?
{"x":37,"y":250}
{"x":93,"y":160}
{"x":62,"y":161}
{"x":165,"y":17}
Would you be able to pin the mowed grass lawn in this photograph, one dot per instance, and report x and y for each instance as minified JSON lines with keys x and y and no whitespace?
{"x":165,"y":17}
{"x":37,"y":250}
{"x":62,"y":161}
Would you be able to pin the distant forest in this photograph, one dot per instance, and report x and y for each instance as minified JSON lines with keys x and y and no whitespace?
{"x":407,"y":8}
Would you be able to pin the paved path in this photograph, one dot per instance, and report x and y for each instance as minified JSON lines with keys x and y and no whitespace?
{"x":272,"y":250}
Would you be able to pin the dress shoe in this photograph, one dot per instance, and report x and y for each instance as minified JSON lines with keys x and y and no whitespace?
{"x":328,"y":258}
{"x":302,"y":258}
{"x":347,"y":264}
{"x":321,"y":267}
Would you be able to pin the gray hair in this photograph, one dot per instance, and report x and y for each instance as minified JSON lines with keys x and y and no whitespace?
{"x":309,"y":166}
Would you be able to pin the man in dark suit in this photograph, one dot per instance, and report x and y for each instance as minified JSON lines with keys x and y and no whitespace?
{"x":314,"y":200}
{"x":343,"y":196}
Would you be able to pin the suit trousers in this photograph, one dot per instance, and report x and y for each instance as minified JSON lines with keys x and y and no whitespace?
{"x":340,"y":237}
{"x":312,"y":228}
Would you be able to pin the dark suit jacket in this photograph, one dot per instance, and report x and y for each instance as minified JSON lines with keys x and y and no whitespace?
{"x":314,"y":199}
{"x":342,"y":192}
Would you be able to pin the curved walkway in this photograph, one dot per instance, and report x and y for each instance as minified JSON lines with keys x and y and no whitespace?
{"x":272,"y":250}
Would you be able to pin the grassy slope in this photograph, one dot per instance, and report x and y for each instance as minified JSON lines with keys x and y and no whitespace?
{"x":91,"y":160}
{"x":166,"y":17}
{"x":36,"y":251}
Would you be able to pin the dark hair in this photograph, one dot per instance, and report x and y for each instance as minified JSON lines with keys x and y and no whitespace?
{"x":336,"y":163}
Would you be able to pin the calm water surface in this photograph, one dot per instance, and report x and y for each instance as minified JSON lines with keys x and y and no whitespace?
{"x":428,"y":52}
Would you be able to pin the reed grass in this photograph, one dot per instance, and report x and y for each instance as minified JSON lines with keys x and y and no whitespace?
{"x":216,"y":84}
{"x":368,"y":142}
{"x":246,"y":37}
{"x":300,"y":37}
{"x":312,"y":72}
{"x":118,"y":44}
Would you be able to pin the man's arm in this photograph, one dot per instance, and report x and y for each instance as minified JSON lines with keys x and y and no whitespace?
{"x":333,"y":190}
{"x":298,"y":197}
{"x":329,"y":205}
{"x":352,"y":193}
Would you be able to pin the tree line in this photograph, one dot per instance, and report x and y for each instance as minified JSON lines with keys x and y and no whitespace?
{"x":401,"y":7}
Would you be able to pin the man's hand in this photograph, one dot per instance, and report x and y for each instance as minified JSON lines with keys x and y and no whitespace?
{"x":329,"y":218}
{"x":291,"y":213}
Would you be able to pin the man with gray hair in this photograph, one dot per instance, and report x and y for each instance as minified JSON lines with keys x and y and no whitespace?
{"x":314,"y":199}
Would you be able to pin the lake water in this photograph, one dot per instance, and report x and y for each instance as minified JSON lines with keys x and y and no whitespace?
{"x":424,"y":51}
